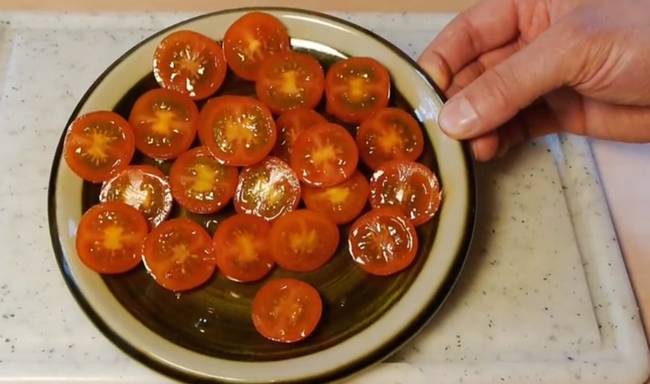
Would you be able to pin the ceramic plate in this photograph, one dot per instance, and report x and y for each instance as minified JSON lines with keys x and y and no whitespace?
{"x":207,"y":334}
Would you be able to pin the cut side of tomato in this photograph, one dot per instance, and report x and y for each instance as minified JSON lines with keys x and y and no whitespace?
{"x":343,"y":202}
{"x":237,"y":130}
{"x":303,"y":240}
{"x":290,"y":80}
{"x":268,"y":189}
{"x":200,"y":183}
{"x":143,"y":187}
{"x":178,"y":254}
{"x":98,"y":144}
{"x":383,"y":241}
{"x":389,"y":134}
{"x":356,"y":88}
{"x":251,"y":39}
{"x":324,"y":155}
{"x":164,"y":123}
{"x":189,"y":63}
{"x":110,"y":236}
{"x":286,"y":310}
{"x":408,"y":185}
{"x":241,"y":248}
{"x":289,"y":125}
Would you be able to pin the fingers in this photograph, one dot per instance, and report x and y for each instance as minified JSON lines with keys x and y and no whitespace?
{"x":485,"y":147}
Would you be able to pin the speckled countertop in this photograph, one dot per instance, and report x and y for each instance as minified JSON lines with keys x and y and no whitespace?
{"x":544,"y":297}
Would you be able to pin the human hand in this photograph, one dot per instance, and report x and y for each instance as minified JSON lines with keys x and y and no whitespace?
{"x":516,"y":69}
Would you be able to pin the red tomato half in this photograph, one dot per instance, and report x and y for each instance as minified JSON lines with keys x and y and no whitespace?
{"x":98,"y":144}
{"x":289,"y":125}
{"x":286,"y":310}
{"x":251,"y":39}
{"x":356,"y":88}
{"x":241,"y":245}
{"x":343,"y":202}
{"x":383,"y":241}
{"x":110,"y":237}
{"x":178,"y":255}
{"x":408,"y":185}
{"x":237,"y":130}
{"x":164,"y":123}
{"x":189,"y":63}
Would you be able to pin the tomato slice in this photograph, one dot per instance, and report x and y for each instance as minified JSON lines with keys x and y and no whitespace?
{"x":164,"y":123}
{"x":143,"y":187}
{"x":289,"y":125}
{"x":389,"y":134}
{"x":408,"y":185}
{"x":343,"y":202}
{"x":251,"y":39}
{"x":356,"y":88}
{"x":290,"y":80}
{"x":241,"y":248}
{"x":268,"y":189}
{"x":110,"y":237}
{"x":200,"y":183}
{"x":98,"y":144}
{"x":189,"y":63}
{"x":303,"y":240}
{"x":286,"y":310}
{"x":237,"y":130}
{"x":178,"y":254}
{"x":383,"y":241}
{"x":324,"y":155}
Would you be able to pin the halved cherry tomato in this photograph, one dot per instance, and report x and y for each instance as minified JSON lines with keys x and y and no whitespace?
{"x":241,"y":248}
{"x":290,"y":80}
{"x":164,"y":123}
{"x":237,"y":130}
{"x":189,"y":63}
{"x":383,"y":241}
{"x":267,"y":190}
{"x":200,"y":183}
{"x":343,"y":202}
{"x":143,"y":187}
{"x":178,"y":254}
{"x":98,"y":144}
{"x":389,"y":134}
{"x":324,"y":155}
{"x":303,"y":240}
{"x":286,"y":310}
{"x":289,"y":125}
{"x":110,"y":237}
{"x":251,"y":39}
{"x":355,"y":88}
{"x":409,"y":186}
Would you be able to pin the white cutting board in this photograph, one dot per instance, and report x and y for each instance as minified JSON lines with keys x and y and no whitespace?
{"x":544,"y":297}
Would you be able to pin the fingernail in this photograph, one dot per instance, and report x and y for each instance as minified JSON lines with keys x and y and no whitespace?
{"x":436,"y":72}
{"x":458,"y":118}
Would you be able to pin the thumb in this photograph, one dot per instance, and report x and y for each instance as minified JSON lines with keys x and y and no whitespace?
{"x":503,"y":90}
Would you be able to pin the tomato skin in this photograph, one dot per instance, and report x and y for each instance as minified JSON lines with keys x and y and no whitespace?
{"x":303,"y":240}
{"x":200,"y":183}
{"x":343,"y":202}
{"x":251,"y":39}
{"x":237,"y":130}
{"x":178,"y":254}
{"x":408,"y":185}
{"x":383,"y":241}
{"x":356,"y":88}
{"x":109,"y":237}
{"x":289,"y":125}
{"x":324,"y":155}
{"x":389,"y":134}
{"x":290,"y":80}
{"x":164,"y":123}
{"x":98,"y":144}
{"x":286,"y":310}
{"x":241,"y":248}
{"x":176,"y":67}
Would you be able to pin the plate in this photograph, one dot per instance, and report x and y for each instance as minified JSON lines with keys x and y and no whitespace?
{"x":207,"y":334}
